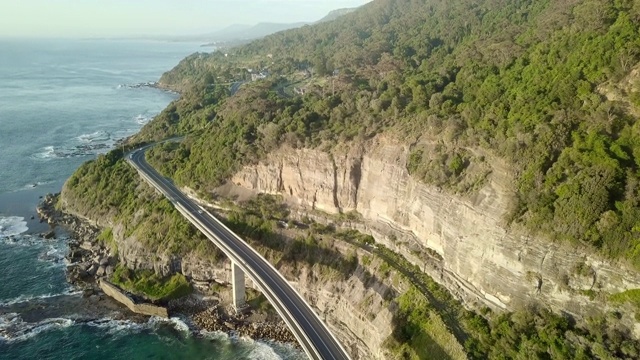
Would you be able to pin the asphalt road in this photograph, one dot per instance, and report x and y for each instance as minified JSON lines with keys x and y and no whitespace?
{"x":313,"y":334}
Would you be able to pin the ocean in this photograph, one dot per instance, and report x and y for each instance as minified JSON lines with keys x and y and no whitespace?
{"x":63,"y":102}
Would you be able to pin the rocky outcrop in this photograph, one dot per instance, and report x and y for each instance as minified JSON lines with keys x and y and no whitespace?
{"x":88,"y":259}
{"x":91,"y":264}
{"x":217,"y":319}
{"x":461,"y":242}
{"x":356,"y":309}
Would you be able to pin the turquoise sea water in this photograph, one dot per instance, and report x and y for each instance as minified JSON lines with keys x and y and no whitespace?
{"x":62,"y":102}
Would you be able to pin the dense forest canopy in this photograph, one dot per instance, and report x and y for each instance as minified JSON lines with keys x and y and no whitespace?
{"x":550,"y":86}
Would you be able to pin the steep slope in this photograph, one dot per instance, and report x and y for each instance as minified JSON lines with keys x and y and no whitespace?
{"x":462,"y":243}
{"x":518,"y":80}
{"x":492,"y":143}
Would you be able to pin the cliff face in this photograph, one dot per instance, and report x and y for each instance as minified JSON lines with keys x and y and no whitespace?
{"x":478,"y":258}
{"x":355,"y":309}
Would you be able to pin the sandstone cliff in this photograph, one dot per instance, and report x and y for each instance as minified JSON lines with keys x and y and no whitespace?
{"x":461,"y":242}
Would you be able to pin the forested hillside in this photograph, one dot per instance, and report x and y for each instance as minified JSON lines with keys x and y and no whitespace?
{"x":552,"y":88}
{"x":527,"y":81}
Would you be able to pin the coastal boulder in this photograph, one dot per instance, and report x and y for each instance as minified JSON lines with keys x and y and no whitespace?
{"x":93,"y":269}
{"x":101,"y":271}
{"x":108,"y":271}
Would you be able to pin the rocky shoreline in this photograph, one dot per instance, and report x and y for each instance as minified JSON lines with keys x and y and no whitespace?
{"x":89,"y":260}
{"x":208,"y":314}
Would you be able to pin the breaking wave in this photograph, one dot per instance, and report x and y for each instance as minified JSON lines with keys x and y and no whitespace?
{"x":263,"y":351}
{"x":83,"y":149}
{"x":91,"y":144}
{"x":96,"y":136}
{"x":12,"y":226}
{"x":24,"y":298}
{"x":143,"y":119}
{"x":36,"y":184}
{"x":257,"y":349}
{"x":14,"y":329}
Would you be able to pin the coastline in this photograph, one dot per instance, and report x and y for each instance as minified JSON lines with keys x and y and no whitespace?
{"x":89,"y":261}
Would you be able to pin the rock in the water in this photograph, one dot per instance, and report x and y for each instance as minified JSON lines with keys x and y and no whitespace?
{"x":49,"y":235}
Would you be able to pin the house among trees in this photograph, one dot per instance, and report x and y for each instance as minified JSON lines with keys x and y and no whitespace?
{"x":255,"y":76}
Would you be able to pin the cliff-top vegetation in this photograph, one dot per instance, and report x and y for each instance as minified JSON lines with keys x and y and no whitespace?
{"x":527,"y":81}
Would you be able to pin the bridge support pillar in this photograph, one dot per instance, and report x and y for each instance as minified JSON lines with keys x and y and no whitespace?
{"x":237,"y":281}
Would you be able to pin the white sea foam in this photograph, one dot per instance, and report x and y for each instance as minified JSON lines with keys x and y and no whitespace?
{"x":47,"y":152}
{"x":142,"y":119}
{"x":258,"y":349}
{"x":52,"y":248}
{"x":120,"y":327}
{"x":176,"y":322}
{"x":14,"y":329}
{"x":117,"y":327}
{"x":36,"y":184}
{"x":12,"y":226}
{"x":26,"y":298}
{"x":51,"y":252}
{"x":54,"y":253}
{"x":87,"y":147}
{"x":214,"y":335}
{"x":96,"y":136}
{"x":262,"y":351}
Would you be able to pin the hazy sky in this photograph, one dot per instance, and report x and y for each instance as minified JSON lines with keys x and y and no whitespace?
{"x":86,"y":18}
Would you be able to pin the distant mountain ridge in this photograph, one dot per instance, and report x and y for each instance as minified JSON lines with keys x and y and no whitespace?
{"x":332,"y":15}
{"x":248,"y":32}
{"x":242,"y":32}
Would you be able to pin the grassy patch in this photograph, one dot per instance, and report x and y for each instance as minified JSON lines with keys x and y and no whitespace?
{"x":421,"y":333}
{"x":106,"y":237}
{"x":258,"y":301}
{"x":631,"y":297}
{"x":149,"y":284}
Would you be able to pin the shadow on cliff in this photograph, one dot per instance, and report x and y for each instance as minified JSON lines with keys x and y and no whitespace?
{"x":371,"y":281}
{"x":310,"y":249}
{"x":317,"y":249}
{"x":435,"y":294}
{"x":409,"y":340}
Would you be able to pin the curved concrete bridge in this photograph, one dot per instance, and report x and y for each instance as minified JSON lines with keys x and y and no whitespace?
{"x":312,"y":334}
